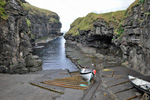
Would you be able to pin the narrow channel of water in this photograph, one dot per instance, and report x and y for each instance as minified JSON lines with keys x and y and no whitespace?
{"x":54,"y":57}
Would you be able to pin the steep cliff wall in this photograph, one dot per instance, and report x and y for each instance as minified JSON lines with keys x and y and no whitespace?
{"x":96,"y":30}
{"x":15,"y":36}
{"x":128,"y":30}
{"x":135,"y":39}
{"x":41,"y":22}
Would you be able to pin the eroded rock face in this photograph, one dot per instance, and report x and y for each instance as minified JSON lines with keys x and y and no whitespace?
{"x":41,"y":26}
{"x":135,"y":43}
{"x":15,"y":46}
{"x":99,"y":38}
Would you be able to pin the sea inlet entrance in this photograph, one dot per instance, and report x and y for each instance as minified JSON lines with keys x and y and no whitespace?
{"x":53,"y":55}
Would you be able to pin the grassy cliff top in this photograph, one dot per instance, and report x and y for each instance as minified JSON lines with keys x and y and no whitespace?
{"x":35,"y":10}
{"x":86,"y":23}
{"x":135,"y":3}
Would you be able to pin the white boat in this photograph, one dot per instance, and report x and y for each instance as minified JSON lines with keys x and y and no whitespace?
{"x":87,"y":74}
{"x":140,"y":84}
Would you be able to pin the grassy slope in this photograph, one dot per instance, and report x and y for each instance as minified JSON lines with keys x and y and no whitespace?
{"x":119,"y":31}
{"x":116,"y":18}
{"x":35,"y":10}
{"x":86,"y":23}
{"x":42,"y":12}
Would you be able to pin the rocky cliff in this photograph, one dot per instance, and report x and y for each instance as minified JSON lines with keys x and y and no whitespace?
{"x":135,"y":39}
{"x":128,"y":30}
{"x":96,"y":31}
{"x":41,"y":22}
{"x":15,"y":36}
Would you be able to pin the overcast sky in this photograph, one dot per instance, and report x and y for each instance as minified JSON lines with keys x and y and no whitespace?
{"x":69,"y":10}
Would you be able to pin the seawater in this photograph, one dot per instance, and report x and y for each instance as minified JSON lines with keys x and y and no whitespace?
{"x":53,"y":55}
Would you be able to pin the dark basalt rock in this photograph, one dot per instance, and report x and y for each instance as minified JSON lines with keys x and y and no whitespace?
{"x":135,"y":42}
{"x":15,"y":40}
{"x":100,"y":38}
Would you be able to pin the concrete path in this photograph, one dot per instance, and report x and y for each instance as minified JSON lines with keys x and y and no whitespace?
{"x":115,"y":83}
{"x":18,"y":87}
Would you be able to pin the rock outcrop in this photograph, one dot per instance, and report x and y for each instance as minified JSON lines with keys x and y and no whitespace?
{"x":96,"y":31}
{"x":42,"y":23}
{"x":15,"y":36}
{"x":135,"y":41}
{"x":130,"y":33}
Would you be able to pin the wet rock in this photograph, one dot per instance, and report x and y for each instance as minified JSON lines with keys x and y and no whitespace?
{"x":33,"y":61}
{"x":3,"y":69}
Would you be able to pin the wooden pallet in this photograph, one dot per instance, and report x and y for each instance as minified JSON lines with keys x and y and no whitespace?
{"x":73,"y":82}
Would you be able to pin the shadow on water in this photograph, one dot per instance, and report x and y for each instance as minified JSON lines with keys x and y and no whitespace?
{"x":53,"y":55}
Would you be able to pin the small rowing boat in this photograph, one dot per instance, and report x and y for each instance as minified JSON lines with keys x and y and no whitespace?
{"x":87,"y":74}
{"x":140,"y":84}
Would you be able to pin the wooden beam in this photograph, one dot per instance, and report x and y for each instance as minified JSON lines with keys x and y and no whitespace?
{"x":46,"y":88}
{"x":124,"y":90}
{"x":118,"y":84}
{"x":113,"y":80}
{"x":130,"y":98}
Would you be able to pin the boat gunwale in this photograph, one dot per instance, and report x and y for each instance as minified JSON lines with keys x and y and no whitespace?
{"x":139,"y":87}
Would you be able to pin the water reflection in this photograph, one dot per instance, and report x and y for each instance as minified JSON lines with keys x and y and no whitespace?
{"x":53,"y":55}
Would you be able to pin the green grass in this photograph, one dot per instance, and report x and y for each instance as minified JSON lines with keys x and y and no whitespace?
{"x":35,"y":10}
{"x":53,"y":20}
{"x":28,"y":22}
{"x":3,"y":14}
{"x":115,"y":18}
{"x":86,"y":23}
{"x":135,"y":3}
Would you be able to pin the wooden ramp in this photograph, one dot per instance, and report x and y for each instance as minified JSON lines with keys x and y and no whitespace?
{"x":74,"y":82}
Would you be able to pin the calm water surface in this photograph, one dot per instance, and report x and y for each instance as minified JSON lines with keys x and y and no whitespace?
{"x":53,"y":55}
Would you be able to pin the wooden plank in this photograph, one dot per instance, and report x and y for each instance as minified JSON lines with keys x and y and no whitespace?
{"x":124,"y":90}
{"x":116,"y":76}
{"x":113,"y":80}
{"x":64,"y":83}
{"x":130,"y":98}
{"x":66,"y":86}
{"x":118,"y":84}
{"x":68,"y":82}
{"x":46,"y":88}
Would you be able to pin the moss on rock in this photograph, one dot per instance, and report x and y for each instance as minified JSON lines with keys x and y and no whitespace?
{"x":86,"y":23}
{"x":35,"y":10}
{"x":3,"y":14}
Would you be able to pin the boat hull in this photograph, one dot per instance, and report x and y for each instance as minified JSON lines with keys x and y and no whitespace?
{"x":140,"y":84}
{"x":87,"y":76}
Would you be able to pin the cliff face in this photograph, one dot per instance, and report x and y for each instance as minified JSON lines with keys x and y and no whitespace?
{"x":15,"y":36}
{"x":42,"y":23}
{"x":96,"y":30}
{"x":135,"y":41}
{"x":129,"y":32}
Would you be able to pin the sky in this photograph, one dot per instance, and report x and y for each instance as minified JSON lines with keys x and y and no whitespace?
{"x":69,"y":10}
